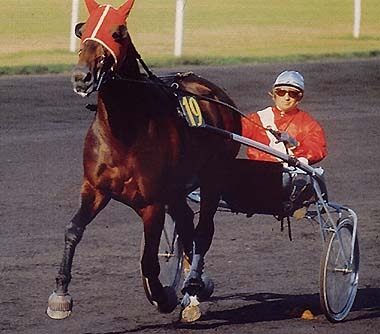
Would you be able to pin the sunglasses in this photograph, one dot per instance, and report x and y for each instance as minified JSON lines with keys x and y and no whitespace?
{"x":297,"y":95}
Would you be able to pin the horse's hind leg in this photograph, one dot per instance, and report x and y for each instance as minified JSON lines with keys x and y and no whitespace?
{"x":92,"y":201}
{"x":198,"y":286}
{"x":153,"y":217}
{"x":183,"y":216}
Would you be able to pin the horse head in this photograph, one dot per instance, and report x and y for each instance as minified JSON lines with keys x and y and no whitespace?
{"x":104,"y":43}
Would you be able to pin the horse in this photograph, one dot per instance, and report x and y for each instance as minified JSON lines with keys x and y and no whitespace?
{"x":140,"y":151}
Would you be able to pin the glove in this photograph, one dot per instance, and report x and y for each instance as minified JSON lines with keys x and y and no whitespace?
{"x":288,"y":140}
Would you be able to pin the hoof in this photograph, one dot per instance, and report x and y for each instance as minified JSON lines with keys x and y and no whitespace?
{"x":59,"y":306}
{"x":171,"y":301}
{"x":192,"y":284}
{"x":206,"y":292}
{"x":201,"y":286}
{"x":190,"y":309}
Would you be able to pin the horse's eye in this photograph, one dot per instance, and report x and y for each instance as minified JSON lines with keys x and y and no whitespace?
{"x":100,"y":59}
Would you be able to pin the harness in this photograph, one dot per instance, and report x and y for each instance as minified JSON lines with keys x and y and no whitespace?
{"x":267,"y":120}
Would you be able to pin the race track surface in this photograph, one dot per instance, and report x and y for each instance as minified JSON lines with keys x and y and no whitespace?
{"x":263,"y":281}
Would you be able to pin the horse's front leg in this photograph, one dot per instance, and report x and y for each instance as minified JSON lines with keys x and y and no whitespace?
{"x":92,"y":201}
{"x":153,"y":218}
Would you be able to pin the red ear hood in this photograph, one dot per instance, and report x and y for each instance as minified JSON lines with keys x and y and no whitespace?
{"x":123,"y":9}
{"x":126,"y":7}
{"x":91,"y":5}
{"x":104,"y":20}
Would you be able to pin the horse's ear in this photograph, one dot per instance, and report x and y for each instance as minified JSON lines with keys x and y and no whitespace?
{"x":91,"y":5}
{"x":79,"y":29}
{"x":126,"y":8}
{"x":120,"y":34}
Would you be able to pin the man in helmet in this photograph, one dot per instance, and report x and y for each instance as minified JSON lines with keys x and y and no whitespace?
{"x":298,"y":133}
{"x":290,"y":130}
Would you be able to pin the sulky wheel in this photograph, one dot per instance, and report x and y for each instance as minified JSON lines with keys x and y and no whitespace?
{"x":170,"y":256}
{"x":339,"y":271}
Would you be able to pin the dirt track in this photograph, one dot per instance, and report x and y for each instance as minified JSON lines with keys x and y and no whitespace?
{"x":262,"y":280}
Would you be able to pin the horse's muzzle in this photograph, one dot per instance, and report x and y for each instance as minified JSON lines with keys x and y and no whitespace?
{"x":83,"y":81}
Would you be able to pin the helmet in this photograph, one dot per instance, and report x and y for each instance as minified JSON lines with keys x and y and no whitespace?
{"x":290,"y":78}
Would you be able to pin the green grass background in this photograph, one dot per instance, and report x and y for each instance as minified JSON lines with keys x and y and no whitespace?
{"x":34,"y":34}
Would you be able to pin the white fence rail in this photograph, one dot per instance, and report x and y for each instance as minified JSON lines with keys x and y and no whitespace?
{"x":179,"y":24}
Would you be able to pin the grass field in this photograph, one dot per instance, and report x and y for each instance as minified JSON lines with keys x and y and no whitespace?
{"x":36,"y":32}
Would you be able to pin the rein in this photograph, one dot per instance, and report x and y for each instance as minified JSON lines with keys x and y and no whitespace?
{"x":174,"y":89}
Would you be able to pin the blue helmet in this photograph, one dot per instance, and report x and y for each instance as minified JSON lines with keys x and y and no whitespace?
{"x":290,"y":78}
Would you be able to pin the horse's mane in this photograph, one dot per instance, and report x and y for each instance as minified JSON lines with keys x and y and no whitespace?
{"x":130,"y":67}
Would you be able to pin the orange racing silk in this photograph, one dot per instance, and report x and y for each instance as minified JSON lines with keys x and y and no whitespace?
{"x":297,"y":123}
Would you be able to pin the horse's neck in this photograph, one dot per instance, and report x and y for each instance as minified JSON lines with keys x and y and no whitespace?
{"x":129,"y":106}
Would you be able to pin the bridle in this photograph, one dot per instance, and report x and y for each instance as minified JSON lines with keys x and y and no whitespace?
{"x":102,"y":70}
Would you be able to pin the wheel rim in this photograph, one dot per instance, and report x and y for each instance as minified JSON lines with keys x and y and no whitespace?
{"x":340,"y":278}
{"x":170,"y":255}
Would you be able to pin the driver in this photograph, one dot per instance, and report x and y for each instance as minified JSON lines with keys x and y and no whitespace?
{"x":292,"y":130}
{"x":303,"y":136}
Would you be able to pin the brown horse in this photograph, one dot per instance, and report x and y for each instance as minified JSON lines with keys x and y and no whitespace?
{"x":141,"y":152}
